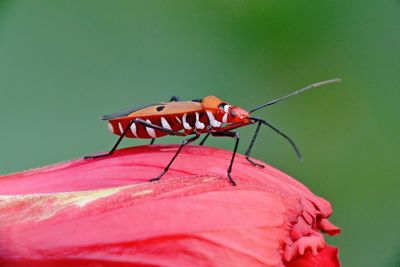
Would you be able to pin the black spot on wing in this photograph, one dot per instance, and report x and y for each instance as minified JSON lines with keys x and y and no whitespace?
{"x":160,"y":108}
{"x":126,"y":112}
{"x":197,"y":100}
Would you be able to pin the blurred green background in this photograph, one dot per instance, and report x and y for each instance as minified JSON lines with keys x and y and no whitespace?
{"x":64,"y":63}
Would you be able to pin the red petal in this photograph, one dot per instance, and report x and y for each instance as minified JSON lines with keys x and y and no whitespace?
{"x":104,"y":211}
{"x":328,"y":257}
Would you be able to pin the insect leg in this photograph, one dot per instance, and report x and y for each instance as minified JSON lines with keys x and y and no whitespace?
{"x":237,"y":137}
{"x":184,"y":143}
{"x":204,"y":139}
{"x":114,"y":147}
{"x":253,"y":140}
{"x":153,"y":126}
{"x":173,"y":98}
{"x":150,"y":125}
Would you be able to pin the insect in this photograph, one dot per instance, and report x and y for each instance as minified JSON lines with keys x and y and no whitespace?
{"x":209,"y":116}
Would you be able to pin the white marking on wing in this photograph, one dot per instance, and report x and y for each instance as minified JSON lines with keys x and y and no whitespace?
{"x":165,"y":123}
{"x":226,"y":108}
{"x":120,"y":127}
{"x":185,"y":124}
{"x":213,"y":121}
{"x":225,"y":118}
{"x":133,"y":129}
{"x":110,"y":127}
{"x":199,"y":124}
{"x":151,"y":131}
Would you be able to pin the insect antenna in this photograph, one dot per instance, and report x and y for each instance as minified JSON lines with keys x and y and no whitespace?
{"x":311,"y":86}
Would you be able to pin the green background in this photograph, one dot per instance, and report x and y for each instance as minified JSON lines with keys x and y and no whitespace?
{"x":64,"y":63}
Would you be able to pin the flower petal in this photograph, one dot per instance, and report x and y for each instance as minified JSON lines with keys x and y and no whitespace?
{"x":104,"y":211}
{"x":328,"y":257}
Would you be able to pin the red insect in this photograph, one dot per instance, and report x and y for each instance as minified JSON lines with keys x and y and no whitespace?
{"x":207,"y":116}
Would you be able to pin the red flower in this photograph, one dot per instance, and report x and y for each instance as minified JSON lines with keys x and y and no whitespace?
{"x":104,"y":212}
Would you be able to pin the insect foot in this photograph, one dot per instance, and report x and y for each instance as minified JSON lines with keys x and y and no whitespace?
{"x":254,"y":163}
{"x":96,"y":208}
{"x":158,"y":177}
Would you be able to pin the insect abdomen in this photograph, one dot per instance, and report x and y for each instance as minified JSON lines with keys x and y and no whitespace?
{"x":138,"y":130}
{"x":185,"y":123}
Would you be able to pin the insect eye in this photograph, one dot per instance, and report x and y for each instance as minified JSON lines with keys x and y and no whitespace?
{"x":233,"y":114}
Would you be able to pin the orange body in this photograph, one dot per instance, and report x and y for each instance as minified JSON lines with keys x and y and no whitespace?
{"x":186,"y":117}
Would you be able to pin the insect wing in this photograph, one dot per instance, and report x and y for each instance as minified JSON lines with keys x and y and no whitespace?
{"x":170,"y":108}
{"x":126,"y":112}
{"x":162,"y":109}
